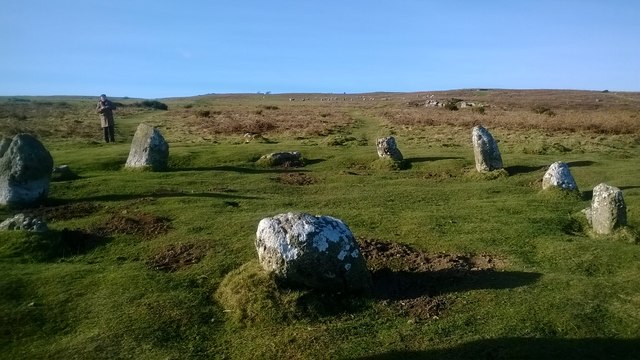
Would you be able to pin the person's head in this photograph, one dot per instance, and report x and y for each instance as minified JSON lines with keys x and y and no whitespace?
{"x":103,"y":97}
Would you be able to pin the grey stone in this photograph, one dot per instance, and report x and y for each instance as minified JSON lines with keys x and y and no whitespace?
{"x":290,"y":158}
{"x":387,"y":148}
{"x":559,"y":176}
{"x":485,"y":150}
{"x":608,"y":210}
{"x":149,"y":150}
{"x":318,"y":252}
{"x":62,"y":173}
{"x":25,"y":223}
{"x":25,"y":171}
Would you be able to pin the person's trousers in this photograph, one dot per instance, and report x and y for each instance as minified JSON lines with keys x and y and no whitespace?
{"x":109,"y":133}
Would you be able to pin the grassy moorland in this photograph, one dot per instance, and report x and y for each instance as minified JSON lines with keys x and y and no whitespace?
{"x":162,"y":265}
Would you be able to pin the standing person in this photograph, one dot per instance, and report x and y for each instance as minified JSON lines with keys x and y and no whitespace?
{"x":105,"y":109}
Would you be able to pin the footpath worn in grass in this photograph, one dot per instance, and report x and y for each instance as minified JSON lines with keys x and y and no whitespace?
{"x":162,"y":265}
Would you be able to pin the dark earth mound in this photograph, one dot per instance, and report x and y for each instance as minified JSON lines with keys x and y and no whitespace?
{"x":65,"y":212}
{"x":174,"y":257}
{"x":417,"y":282}
{"x":295,"y":179}
{"x":139,"y":223}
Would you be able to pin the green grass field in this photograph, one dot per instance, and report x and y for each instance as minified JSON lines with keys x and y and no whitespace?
{"x":163,"y":265}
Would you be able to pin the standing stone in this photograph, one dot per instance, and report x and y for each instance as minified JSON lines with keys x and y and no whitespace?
{"x":387,"y":148}
{"x":148,"y":149}
{"x":559,"y":176}
{"x":608,"y":210}
{"x":314,"y":251}
{"x":485,"y":150}
{"x":25,"y":171}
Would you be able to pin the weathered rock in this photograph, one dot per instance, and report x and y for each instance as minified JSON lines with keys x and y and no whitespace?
{"x":319,"y":252}
{"x":608,"y":210}
{"x":485,"y":150}
{"x":23,"y":222}
{"x":559,"y":176}
{"x":387,"y":148}
{"x":149,"y":150}
{"x":62,"y":173}
{"x":25,"y":171}
{"x":288,"y":159}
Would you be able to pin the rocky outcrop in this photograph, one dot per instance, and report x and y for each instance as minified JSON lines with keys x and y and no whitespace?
{"x":387,"y":148}
{"x":25,"y":171}
{"x":318,"y":252}
{"x":559,"y":176}
{"x":25,"y":223}
{"x":608,"y":210}
{"x":485,"y":150}
{"x":149,"y":150}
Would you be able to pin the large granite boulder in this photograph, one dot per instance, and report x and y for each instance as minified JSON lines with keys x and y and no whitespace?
{"x":608,"y":210}
{"x":25,"y":171}
{"x":25,"y":223}
{"x":149,"y":150}
{"x":485,"y":150}
{"x":286,"y":159}
{"x":559,"y":176}
{"x":387,"y":148}
{"x":318,"y":252}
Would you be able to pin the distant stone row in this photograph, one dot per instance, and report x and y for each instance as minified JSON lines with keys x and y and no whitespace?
{"x":607,"y":212}
{"x":26,"y":168}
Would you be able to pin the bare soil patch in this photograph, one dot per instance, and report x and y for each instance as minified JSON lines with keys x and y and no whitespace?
{"x":295,"y":179}
{"x":414,"y":281}
{"x":140,"y":224}
{"x":174,"y":257}
{"x":66,"y":212}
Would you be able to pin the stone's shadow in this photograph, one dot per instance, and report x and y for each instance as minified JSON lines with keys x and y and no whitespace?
{"x":629,"y":187}
{"x":412,"y":160}
{"x":580,"y":163}
{"x":520,"y":169}
{"x":406,"y":285}
{"x":56,"y":244}
{"x":242,"y":170}
{"x":313,"y":161}
{"x":525,"y":348}
{"x":153,"y":195}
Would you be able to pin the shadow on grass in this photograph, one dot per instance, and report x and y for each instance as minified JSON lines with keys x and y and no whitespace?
{"x":240,"y":169}
{"x":405,"y":285}
{"x":580,"y":163}
{"x":155,"y":195}
{"x":526,"y":348}
{"x":313,"y":161}
{"x":412,"y":160}
{"x":520,"y":169}
{"x":54,"y":244}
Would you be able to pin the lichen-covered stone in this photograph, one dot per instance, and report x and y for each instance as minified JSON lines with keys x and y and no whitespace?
{"x":485,"y":150}
{"x":23,"y":222}
{"x":149,"y":150}
{"x":313,"y":251}
{"x":287,"y":158}
{"x":608,"y":210}
{"x":387,"y":148}
{"x":25,"y":171}
{"x":559,"y":176}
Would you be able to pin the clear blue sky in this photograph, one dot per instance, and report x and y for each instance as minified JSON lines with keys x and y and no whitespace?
{"x":155,"y":49}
